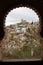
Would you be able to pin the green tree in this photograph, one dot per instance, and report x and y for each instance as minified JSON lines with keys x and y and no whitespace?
{"x":28,"y":30}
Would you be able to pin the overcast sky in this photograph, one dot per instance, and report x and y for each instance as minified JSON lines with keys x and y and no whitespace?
{"x":15,"y":16}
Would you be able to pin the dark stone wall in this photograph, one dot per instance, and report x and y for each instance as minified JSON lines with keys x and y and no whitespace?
{"x":7,"y":5}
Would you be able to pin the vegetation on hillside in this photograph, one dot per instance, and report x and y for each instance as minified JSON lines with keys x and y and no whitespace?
{"x":21,"y":41}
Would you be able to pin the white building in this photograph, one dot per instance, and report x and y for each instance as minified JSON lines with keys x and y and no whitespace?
{"x":24,"y":30}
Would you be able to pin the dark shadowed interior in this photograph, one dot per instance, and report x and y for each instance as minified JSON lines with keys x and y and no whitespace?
{"x":7,"y":5}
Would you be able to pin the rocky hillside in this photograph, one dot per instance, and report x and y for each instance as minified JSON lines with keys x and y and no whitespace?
{"x":21,"y":41}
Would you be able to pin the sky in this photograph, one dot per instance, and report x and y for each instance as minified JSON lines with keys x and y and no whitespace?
{"x":15,"y":16}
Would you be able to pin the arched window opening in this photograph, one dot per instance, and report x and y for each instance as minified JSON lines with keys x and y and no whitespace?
{"x":22,"y":37}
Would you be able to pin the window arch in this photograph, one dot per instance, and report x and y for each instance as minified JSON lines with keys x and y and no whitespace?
{"x":31,"y":46}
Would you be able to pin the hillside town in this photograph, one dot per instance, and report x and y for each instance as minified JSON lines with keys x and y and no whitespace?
{"x":22,"y":40}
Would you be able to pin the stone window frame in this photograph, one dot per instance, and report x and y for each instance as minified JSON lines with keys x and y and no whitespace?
{"x":31,"y":8}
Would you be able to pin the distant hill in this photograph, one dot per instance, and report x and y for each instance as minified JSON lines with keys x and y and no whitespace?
{"x":21,"y":40}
